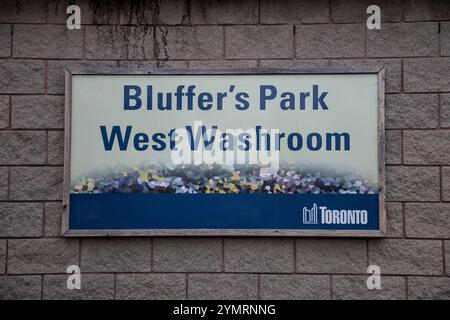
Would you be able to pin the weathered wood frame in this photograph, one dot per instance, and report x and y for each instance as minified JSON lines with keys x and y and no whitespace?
{"x":379,"y":71}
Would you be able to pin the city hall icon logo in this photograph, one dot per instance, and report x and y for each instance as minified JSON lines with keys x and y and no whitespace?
{"x":310,"y":215}
{"x":334,"y":216}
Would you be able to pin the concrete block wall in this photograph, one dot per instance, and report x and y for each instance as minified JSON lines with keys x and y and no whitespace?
{"x":35,"y":47}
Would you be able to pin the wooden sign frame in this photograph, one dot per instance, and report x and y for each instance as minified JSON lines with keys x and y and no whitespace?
{"x":379,"y":71}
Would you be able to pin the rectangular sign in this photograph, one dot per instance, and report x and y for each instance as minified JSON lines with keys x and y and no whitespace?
{"x":253,"y":152}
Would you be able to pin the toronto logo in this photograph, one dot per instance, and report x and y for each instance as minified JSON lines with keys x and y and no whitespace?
{"x":310,"y":215}
{"x":323,"y":215}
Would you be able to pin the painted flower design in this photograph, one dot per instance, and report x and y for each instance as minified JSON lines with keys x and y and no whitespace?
{"x":217,"y":179}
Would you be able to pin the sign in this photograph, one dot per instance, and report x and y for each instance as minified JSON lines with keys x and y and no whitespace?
{"x":248,"y":152}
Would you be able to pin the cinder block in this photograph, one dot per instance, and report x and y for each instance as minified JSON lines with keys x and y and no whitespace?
{"x":27,"y":256}
{"x":406,"y":111}
{"x":93,"y":287}
{"x":140,"y":42}
{"x":55,"y":147}
{"x":394,"y":219}
{"x":403,"y":40}
{"x":118,"y":42}
{"x":393,"y":146}
{"x":402,"y":256}
{"x":22,"y":76}
{"x":143,"y":12}
{"x":2,"y":256}
{"x":426,"y":75}
{"x":355,"y":288}
{"x":222,"y":286}
{"x":447,"y":256}
{"x":36,"y":183}
{"x":428,"y":288}
{"x":4,"y":173}
{"x":222,"y":64}
{"x":392,"y":67}
{"x":425,"y":10}
{"x":21,"y":219}
{"x":189,"y":42}
{"x":116,"y":255}
{"x":22,"y":11}
{"x":4,"y":112}
{"x":295,"y":12}
{"x":350,"y":11}
{"x":259,"y":42}
{"x":55,"y":74}
{"x":445,"y":111}
{"x":330,"y":41}
{"x":170,"y":286}
{"x":5,"y":40}
{"x":106,"y":42}
{"x":154,"y":12}
{"x":22,"y":147}
{"x":37,"y":112}
{"x":412,"y":183}
{"x":294,"y":287}
{"x":152,"y":64}
{"x":187,"y":255}
{"x":331,"y":255}
{"x":426,"y":147}
{"x":259,"y":255}
{"x":293,"y":63}
{"x":445,"y":38}
{"x":173,"y":12}
{"x":20,"y":287}
{"x":224,"y":12}
{"x":47,"y":41}
{"x":446,"y":183}
{"x":427,"y":220}
{"x":53,"y":219}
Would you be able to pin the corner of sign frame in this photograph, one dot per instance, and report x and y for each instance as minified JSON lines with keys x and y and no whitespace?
{"x":382,"y":73}
{"x":68,"y":71}
{"x":65,"y":221}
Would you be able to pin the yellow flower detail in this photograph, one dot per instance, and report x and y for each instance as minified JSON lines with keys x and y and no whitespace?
{"x":143,"y":175}
{"x":90,"y":184}
{"x":235,"y":176}
{"x":244,"y":183}
{"x":231,"y":187}
{"x":156,"y":177}
{"x":277,"y":188}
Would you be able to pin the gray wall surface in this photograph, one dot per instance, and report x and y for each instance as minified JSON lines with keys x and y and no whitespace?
{"x":35,"y":47}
